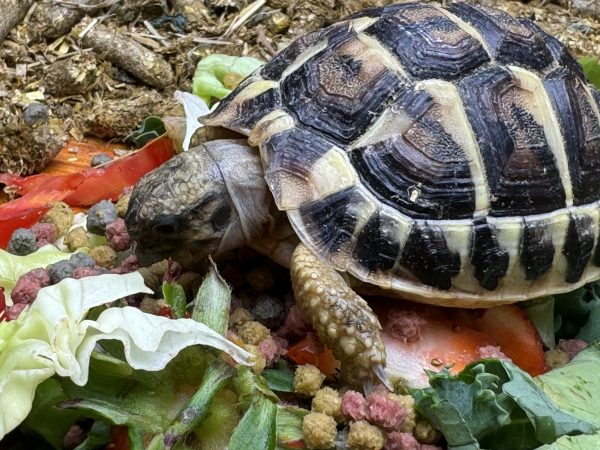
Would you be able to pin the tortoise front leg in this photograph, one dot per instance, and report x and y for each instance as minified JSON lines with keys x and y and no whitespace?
{"x":342,"y":319}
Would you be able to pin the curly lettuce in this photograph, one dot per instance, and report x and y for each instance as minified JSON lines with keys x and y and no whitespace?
{"x":53,"y":336}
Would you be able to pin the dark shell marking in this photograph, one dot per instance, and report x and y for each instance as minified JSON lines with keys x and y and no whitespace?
{"x":451,"y":154}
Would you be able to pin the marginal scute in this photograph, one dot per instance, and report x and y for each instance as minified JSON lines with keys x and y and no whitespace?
{"x":289,"y":173}
{"x":511,"y":41}
{"x":427,"y":257}
{"x":521,"y":170}
{"x":489,"y":260}
{"x":331,"y":222}
{"x":377,"y":245}
{"x":580,"y":126}
{"x":249,"y":102}
{"x":536,"y":249}
{"x":428,"y":44}
{"x":578,"y":246}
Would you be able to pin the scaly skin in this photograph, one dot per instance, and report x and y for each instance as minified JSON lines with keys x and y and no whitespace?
{"x":343,"y":320}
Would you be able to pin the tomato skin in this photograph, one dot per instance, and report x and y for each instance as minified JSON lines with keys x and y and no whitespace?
{"x":311,"y":351}
{"x":510,"y":328}
{"x":84,"y":188}
{"x":108,"y":182}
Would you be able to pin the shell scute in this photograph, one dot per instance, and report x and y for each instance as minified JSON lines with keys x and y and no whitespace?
{"x":510,"y":41}
{"x":580,"y":124}
{"x":428,"y":44}
{"x":339,"y":91}
{"x":520,"y":166}
{"x":426,"y":255}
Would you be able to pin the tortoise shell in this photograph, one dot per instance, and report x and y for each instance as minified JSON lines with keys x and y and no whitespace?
{"x":449,"y":154}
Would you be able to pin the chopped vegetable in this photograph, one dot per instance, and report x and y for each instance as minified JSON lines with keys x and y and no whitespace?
{"x":591,"y":68}
{"x":455,"y":337}
{"x":88,"y":187}
{"x":216,"y":75}
{"x":212,"y":302}
{"x":493,"y":405}
{"x":52,"y":336}
{"x":575,"y":387}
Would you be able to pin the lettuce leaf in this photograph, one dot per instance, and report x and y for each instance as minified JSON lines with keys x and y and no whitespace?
{"x":575,"y":388}
{"x":13,"y":266}
{"x":53,"y":337}
{"x":591,"y":69}
{"x":581,"y":442}
{"x":210,"y":77}
{"x":494,"y":405}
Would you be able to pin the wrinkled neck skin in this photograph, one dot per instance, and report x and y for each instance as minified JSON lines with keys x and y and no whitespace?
{"x":258,"y":223}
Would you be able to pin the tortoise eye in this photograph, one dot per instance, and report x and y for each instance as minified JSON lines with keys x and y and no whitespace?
{"x":167,"y":225}
{"x":220,"y":218}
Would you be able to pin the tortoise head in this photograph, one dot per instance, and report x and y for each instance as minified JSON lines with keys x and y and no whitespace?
{"x":183,"y":210}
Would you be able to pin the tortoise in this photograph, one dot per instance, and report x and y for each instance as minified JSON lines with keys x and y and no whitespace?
{"x":447,"y":155}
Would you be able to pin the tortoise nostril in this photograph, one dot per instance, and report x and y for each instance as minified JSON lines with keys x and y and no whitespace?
{"x":167,"y":225}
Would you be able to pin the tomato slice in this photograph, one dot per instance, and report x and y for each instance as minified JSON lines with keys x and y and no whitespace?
{"x":100,"y":183}
{"x":310,"y":350}
{"x":449,"y":337}
{"x":27,"y":210}
{"x":518,"y":338}
{"x":83,"y":188}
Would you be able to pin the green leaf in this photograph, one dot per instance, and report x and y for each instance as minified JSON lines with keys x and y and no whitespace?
{"x":215,"y":377}
{"x":212,"y":74}
{"x":279,"y":380}
{"x":582,"y":442}
{"x":575,"y":387}
{"x":52,"y":337}
{"x":541,"y":313}
{"x":591,"y":69}
{"x":151,"y":128}
{"x":257,"y":429}
{"x":148,"y":401}
{"x":174,"y":295}
{"x":289,"y":426}
{"x":45,"y":418}
{"x":211,"y":306}
{"x":493,"y":405}
{"x":547,"y":419}
{"x":590,"y":332}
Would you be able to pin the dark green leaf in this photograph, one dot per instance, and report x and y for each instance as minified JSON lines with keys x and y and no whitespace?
{"x":256,"y":430}
{"x":279,"y":380}
{"x":494,"y":405}
{"x":151,"y":128}
{"x":97,"y":437}
{"x":45,"y":418}
{"x":541,"y":313}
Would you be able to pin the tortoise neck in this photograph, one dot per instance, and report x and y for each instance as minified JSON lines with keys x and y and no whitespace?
{"x":242,"y":172}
